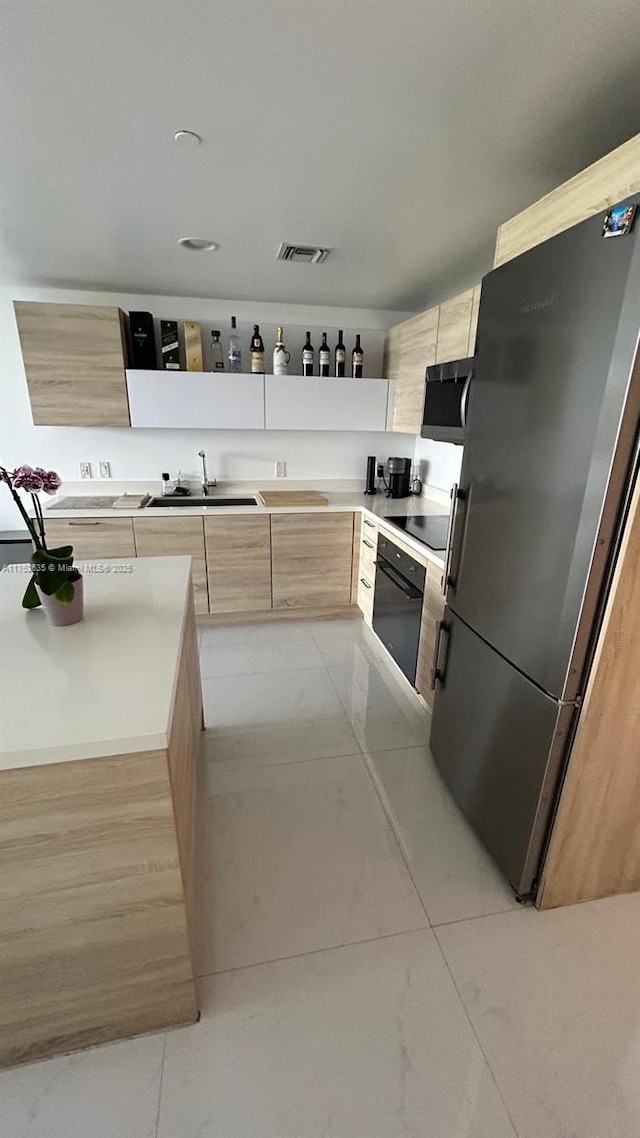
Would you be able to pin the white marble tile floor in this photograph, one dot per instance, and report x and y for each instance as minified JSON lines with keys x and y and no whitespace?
{"x":364,"y":971}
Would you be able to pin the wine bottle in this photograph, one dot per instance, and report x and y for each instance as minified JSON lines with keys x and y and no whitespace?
{"x":217,"y":360}
{"x":307,"y":356}
{"x":357,"y":360}
{"x":340,"y":357}
{"x":324,"y":358}
{"x":257,"y":351}
{"x":281,"y":356}
{"x":235,"y":351}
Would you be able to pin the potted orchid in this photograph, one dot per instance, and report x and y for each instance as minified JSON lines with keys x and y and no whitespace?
{"x":55,"y":583}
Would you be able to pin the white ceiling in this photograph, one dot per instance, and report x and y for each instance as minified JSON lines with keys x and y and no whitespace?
{"x":399,"y":132}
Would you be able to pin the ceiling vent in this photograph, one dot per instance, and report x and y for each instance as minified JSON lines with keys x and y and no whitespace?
{"x":302,"y":254}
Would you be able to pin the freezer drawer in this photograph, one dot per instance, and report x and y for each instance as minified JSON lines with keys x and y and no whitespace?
{"x":498,"y":741}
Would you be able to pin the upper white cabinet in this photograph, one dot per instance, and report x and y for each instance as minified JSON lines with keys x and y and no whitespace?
{"x":226,"y":401}
{"x":294,"y":403}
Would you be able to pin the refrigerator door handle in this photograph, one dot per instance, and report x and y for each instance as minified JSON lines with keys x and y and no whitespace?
{"x":449,"y":546}
{"x":436,"y":672}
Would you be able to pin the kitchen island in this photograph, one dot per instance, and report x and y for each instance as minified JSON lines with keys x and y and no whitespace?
{"x":99,"y":735}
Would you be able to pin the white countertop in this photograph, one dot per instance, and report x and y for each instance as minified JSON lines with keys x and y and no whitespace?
{"x":104,"y":686}
{"x":342,"y":499}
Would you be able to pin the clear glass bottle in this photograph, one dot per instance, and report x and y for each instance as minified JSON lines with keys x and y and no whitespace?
{"x":235,"y":351}
{"x":217,"y":358}
{"x":281,"y":356}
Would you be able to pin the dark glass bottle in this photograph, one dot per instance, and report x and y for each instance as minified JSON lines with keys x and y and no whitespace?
{"x":357,"y":360}
{"x":324,"y":358}
{"x":307,"y":356}
{"x":340,"y":357}
{"x":257,"y":351}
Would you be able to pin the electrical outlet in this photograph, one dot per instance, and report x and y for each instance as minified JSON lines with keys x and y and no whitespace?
{"x":281,"y":470}
{"x":105,"y":469}
{"x":85,"y":470}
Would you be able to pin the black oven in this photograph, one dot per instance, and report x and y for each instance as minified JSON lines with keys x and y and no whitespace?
{"x":397,"y":604}
{"x":445,"y":401}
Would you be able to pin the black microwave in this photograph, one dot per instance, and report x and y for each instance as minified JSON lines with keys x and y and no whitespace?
{"x":445,"y":401}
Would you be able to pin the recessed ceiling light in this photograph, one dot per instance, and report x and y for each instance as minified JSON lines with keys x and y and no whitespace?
{"x":198,"y":244}
{"x":187,"y":136}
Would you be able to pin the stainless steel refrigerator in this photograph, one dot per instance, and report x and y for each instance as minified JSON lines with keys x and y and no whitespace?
{"x":550,"y":455}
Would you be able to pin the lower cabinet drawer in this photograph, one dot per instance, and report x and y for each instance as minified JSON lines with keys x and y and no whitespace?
{"x":368,"y":561}
{"x":365,"y":596}
{"x":92,"y":538}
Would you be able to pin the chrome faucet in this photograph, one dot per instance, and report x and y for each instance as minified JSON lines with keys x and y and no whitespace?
{"x":207,"y":483}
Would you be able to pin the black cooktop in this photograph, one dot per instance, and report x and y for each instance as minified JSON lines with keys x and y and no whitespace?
{"x":430,"y":529}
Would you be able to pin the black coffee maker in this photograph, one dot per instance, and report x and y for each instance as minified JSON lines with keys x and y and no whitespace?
{"x":398,"y":477}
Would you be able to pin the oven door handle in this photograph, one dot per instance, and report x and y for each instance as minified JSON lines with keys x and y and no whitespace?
{"x":409,"y":591}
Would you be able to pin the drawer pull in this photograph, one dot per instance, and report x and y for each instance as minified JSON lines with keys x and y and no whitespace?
{"x":84,"y":523}
{"x":365,"y":583}
{"x":368,"y":523}
{"x":369,"y":544}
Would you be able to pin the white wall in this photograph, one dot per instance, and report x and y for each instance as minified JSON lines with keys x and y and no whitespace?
{"x":438,"y":464}
{"x":144,"y":454}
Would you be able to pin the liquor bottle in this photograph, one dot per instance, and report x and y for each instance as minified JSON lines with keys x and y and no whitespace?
{"x":170,"y":345}
{"x":281,"y":356}
{"x":324,"y":358}
{"x":235,"y":351}
{"x":257,"y":351}
{"x":307,"y":356}
{"x":193,"y":345}
{"x":340,"y":357}
{"x":217,"y":359}
{"x":357,"y":360}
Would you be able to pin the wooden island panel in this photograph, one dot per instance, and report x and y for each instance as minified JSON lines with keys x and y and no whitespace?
{"x":96,"y":887}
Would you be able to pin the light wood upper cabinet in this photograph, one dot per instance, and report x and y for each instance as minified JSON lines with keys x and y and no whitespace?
{"x":410,"y":348}
{"x":601,"y":185}
{"x":175,"y":537}
{"x":92,"y":538}
{"x":454,"y":327}
{"x":74,"y":359}
{"x":238,"y":563}
{"x":311,"y":559}
{"x":473,"y":328}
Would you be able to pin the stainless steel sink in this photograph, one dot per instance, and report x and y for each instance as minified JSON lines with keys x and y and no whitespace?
{"x":187,"y":502}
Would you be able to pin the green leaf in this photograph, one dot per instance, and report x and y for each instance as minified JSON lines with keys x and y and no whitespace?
{"x":31,"y":600}
{"x":65,"y":593}
{"x":51,"y":571}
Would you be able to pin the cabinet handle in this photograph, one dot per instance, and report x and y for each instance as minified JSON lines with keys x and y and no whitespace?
{"x":84,"y":523}
{"x":368,"y":523}
{"x":436,"y":672}
{"x":365,"y":583}
{"x":369,"y":544}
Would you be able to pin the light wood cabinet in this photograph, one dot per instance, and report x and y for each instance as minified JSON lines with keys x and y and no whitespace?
{"x":473,"y":327}
{"x":159,"y":537}
{"x":603,"y":184}
{"x":74,"y":360}
{"x":454,"y":327}
{"x":367,"y":554}
{"x":410,"y":348}
{"x":311,"y":559}
{"x":92,"y":538}
{"x":432,"y":613}
{"x":238,"y":563}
